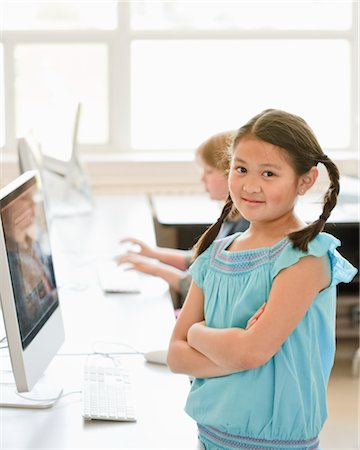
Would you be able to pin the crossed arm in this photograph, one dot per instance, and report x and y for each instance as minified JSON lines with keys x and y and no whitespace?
{"x":205,"y":352}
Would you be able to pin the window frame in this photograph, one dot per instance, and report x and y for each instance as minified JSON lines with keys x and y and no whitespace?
{"x":119,"y":42}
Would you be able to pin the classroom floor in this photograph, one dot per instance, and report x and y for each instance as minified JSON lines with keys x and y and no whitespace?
{"x":341,"y":430}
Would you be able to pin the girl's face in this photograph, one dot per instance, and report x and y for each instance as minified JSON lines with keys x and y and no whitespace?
{"x":215,"y":181}
{"x":262,"y":183}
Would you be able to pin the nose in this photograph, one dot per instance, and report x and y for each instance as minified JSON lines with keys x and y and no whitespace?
{"x":251,"y":186}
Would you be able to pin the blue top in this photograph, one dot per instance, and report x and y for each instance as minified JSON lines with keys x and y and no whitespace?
{"x":227,"y":228}
{"x":284,"y":399}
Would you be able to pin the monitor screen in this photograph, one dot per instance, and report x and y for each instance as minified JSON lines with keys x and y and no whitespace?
{"x":28,"y":291}
{"x":29,"y":258}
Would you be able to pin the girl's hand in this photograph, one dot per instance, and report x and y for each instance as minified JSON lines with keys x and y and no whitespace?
{"x":143,"y":249}
{"x":255,"y":317}
{"x":139,"y":263}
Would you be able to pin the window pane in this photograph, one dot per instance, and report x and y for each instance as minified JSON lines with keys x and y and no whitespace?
{"x":184,"y":91}
{"x":241,"y":15}
{"x":40,"y":15}
{"x":50,"y":77}
{"x":2,"y":98}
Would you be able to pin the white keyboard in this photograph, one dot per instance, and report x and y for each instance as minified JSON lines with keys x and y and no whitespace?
{"x":114,"y":278}
{"x":107,"y":394}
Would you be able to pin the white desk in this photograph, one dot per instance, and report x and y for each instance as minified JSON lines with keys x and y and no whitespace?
{"x":181,"y":210}
{"x":185,"y":209}
{"x":161,"y":423}
{"x":94,"y":321}
{"x":182,"y":218}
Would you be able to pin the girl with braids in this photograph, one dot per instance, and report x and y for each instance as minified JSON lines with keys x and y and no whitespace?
{"x":172,"y":264}
{"x":257,"y":330}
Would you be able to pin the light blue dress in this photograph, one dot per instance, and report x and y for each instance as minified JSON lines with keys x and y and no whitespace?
{"x":282,"y":404}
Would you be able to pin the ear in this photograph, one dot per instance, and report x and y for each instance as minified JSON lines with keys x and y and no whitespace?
{"x":307,"y":180}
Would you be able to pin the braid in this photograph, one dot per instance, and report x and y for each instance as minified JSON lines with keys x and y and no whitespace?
{"x":300,"y":239}
{"x":211,"y":233}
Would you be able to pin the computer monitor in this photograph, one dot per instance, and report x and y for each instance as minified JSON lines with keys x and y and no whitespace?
{"x":64,"y":176}
{"x":29,"y":154}
{"x":28,"y":291}
{"x":30,"y":158}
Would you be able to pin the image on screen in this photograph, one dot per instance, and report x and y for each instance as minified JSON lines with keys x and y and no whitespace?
{"x":29,"y":258}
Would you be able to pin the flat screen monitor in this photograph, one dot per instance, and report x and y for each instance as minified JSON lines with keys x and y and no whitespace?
{"x":67,"y":190}
{"x":30,"y":158}
{"x":28,"y":290}
{"x":29,"y":154}
{"x":63,"y":173}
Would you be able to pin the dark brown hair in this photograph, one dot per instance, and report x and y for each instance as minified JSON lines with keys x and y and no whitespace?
{"x":292,"y":134}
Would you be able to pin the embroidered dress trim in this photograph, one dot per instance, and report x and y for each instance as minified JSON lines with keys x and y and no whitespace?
{"x":246,"y":260}
{"x":222,"y":440}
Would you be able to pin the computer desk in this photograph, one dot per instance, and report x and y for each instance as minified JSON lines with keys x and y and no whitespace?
{"x":180,"y":219}
{"x":95,"y":322}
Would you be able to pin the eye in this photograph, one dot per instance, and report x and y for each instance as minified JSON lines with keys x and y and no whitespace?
{"x":240,"y":169}
{"x":268,"y":173}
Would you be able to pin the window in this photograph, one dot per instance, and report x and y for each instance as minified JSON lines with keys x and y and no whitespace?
{"x":51,"y":76}
{"x":246,"y":15}
{"x":206,"y":85}
{"x":163,"y":76}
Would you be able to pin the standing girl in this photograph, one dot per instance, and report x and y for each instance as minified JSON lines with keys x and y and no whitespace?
{"x":261,"y":372}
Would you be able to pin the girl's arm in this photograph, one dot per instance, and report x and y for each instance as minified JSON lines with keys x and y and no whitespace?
{"x":173,"y":257}
{"x":142,"y":264}
{"x":291,"y":295}
{"x":170,"y":256}
{"x":182,"y":358}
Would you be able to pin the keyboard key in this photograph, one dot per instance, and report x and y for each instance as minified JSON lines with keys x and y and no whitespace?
{"x":107,"y":394}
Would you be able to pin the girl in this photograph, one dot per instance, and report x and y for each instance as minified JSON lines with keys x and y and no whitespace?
{"x":213,"y":158}
{"x":261,"y":372}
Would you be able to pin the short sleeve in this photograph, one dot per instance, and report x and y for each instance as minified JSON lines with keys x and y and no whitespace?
{"x":341,"y":270}
{"x":199,"y":267}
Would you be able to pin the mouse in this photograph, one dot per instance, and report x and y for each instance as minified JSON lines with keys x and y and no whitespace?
{"x":156,"y":357}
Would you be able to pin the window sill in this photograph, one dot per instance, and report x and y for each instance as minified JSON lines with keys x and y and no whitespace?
{"x":151,"y":172}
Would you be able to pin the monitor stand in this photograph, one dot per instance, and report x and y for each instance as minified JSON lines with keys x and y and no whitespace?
{"x":9,"y":398}
{"x":68,"y":196}
{"x":42,"y":396}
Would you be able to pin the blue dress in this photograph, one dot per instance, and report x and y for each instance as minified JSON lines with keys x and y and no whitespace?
{"x":282,"y":404}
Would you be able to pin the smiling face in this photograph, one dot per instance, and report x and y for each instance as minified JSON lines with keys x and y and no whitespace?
{"x":262,"y":182}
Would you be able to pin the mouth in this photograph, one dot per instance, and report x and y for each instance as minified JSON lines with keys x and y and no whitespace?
{"x":250,"y":201}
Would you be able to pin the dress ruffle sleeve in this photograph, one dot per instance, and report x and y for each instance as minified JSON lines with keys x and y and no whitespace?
{"x":199,"y":268}
{"x":341,"y":270}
